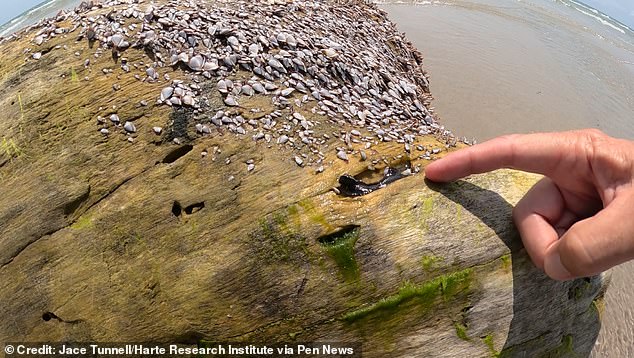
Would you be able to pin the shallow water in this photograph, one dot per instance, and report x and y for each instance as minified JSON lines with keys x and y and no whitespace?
{"x":522,"y":67}
{"x":500,"y":67}
{"x":48,"y":8}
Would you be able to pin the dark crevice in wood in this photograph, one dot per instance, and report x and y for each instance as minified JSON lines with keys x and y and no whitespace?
{"x":52,"y":232}
{"x":48,"y":316}
{"x":337,"y":236}
{"x":191,"y":209}
{"x":72,"y":206}
{"x":177,"y":153}
{"x":177,"y":209}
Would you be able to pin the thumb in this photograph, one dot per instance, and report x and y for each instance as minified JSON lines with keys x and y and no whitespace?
{"x":594,"y":245}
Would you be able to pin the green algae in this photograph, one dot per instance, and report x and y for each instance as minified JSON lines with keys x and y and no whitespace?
{"x":598,"y":306}
{"x":506,"y":261}
{"x":461,"y":331}
{"x":581,"y":291}
{"x":488,"y":341}
{"x":425,"y":294}
{"x":428,"y":206}
{"x":276,"y":241}
{"x":313,"y":214}
{"x":341,"y":250}
{"x":429,"y":262}
{"x":453,"y":283}
{"x":73,"y":75}
{"x":292,"y":210}
{"x":84,"y":222}
{"x":426,"y":211}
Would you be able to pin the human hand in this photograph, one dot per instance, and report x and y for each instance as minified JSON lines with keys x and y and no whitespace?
{"x":579,"y":219}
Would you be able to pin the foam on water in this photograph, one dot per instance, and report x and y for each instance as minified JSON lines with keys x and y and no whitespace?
{"x":413,"y":2}
{"x":43,"y":10}
{"x":599,"y":16}
{"x":13,"y":25}
{"x":41,"y":6}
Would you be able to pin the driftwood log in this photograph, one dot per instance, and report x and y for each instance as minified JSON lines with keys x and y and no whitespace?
{"x":107,"y":240}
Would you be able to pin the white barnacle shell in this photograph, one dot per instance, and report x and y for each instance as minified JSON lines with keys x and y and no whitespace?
{"x":222,"y":86}
{"x":174,"y":59}
{"x":211,"y":65}
{"x":166,"y":93}
{"x":196,"y":63}
{"x":282,"y":139}
{"x":176,"y":101}
{"x":290,"y":40}
{"x":188,"y":100}
{"x":183,"y":57}
{"x":287,"y":91}
{"x":151,"y":73}
{"x":129,"y":127}
{"x":247,"y":90}
{"x":259,"y":88}
{"x":116,"y":40}
{"x":342,"y":155}
{"x":231,"y":101}
{"x":179,"y":92}
{"x":234,"y":43}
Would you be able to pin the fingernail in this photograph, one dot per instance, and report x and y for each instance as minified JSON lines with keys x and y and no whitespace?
{"x":555,"y":269}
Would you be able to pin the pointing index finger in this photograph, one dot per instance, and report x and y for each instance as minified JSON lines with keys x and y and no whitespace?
{"x":537,"y":153}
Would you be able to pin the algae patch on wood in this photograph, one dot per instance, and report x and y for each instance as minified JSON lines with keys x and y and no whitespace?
{"x":340,"y":247}
{"x":424,"y":294}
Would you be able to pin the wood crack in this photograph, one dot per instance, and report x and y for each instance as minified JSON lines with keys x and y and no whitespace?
{"x":97,"y":202}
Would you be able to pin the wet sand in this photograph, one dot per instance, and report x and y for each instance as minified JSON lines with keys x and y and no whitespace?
{"x":617,"y":332}
{"x":497,"y":68}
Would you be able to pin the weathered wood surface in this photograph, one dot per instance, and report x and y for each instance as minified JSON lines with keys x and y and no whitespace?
{"x":118,"y":246}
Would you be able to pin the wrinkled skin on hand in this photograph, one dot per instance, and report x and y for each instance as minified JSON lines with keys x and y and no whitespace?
{"x":579,"y":219}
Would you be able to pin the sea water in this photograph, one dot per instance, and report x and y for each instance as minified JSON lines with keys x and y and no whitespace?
{"x":48,"y":8}
{"x":505,"y":66}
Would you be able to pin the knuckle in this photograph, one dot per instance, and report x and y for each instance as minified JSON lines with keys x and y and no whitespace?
{"x":594,"y":133}
{"x":591,"y":143}
{"x":575,"y":256}
{"x":593,"y":138}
